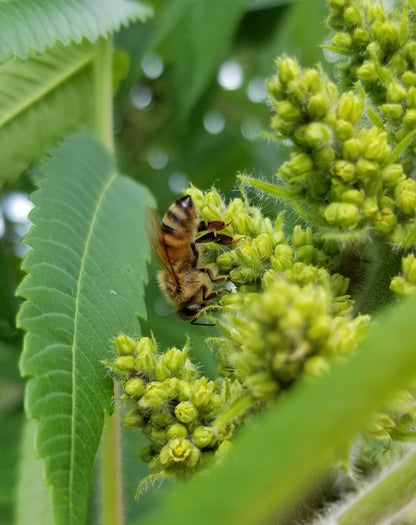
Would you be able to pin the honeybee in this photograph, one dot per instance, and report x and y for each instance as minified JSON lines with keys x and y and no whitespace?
{"x":184,"y":284}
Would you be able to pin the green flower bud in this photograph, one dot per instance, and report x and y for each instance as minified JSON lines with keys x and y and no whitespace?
{"x":172,"y":386}
{"x":375,"y":13}
{"x":288,"y":111}
{"x":405,"y":194}
{"x":299,"y":164}
{"x":375,"y":144}
{"x":275,"y":88}
{"x":262,"y":385}
{"x":135,"y":387}
{"x":353,"y":196}
{"x":124,"y":364}
{"x":156,"y":396}
{"x":188,"y":371}
{"x":391,"y":175}
{"x":297,"y":90}
{"x":352,"y":16}
{"x":323,"y":157}
{"x":395,"y":92}
{"x":124,"y":345}
{"x":203,"y":436}
{"x":392,"y":111}
{"x":320,"y":329}
{"x":351,"y":149}
{"x":411,"y":97}
{"x":262,"y":247}
{"x":317,"y":135}
{"x":385,"y":221}
{"x":366,"y":169}
{"x":178,"y":451}
{"x":342,"y":40}
{"x":360,"y":37}
{"x":409,"y":79}
{"x":186,"y":412}
{"x":196,"y":195}
{"x":301,"y":236}
{"x":318,"y":106}
{"x":177,"y":430}
{"x":312,"y":80}
{"x":145,"y":361}
{"x":226,"y":261}
{"x":162,"y":418}
{"x":201,"y":392}
{"x":133,"y":419}
{"x":316,"y":366}
{"x":409,"y":119}
{"x":288,"y":69}
{"x":158,"y":436}
{"x":367,"y":72}
{"x":401,"y":287}
{"x":344,"y":170}
{"x":283,"y":258}
{"x":349,"y":107}
{"x":169,"y":363}
{"x":343,"y":130}
{"x":305,"y":254}
{"x":409,"y":268}
{"x":342,"y":214}
{"x":337,"y":4}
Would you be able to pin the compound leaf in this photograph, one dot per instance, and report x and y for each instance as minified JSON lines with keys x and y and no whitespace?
{"x":84,"y":284}
{"x":38,"y":24}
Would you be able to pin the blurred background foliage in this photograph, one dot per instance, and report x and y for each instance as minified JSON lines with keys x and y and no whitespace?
{"x":189,"y":108}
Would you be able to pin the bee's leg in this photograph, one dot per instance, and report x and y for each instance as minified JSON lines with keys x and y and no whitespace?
{"x":212,"y":225}
{"x":219,"y":279}
{"x":217,"y":238}
{"x":215,"y":294}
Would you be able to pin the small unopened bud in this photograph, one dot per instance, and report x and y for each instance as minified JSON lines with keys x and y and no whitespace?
{"x":367,"y":169}
{"x":343,"y":130}
{"x":367,"y":72}
{"x":392,"y":174}
{"x":317,"y":135}
{"x":124,"y":364}
{"x":288,"y":69}
{"x":395,"y":92}
{"x":392,"y":111}
{"x":385,"y":221}
{"x":262,"y":385}
{"x":409,"y":268}
{"x":203,"y":436}
{"x":351,"y":149}
{"x":156,"y":396}
{"x":145,"y":360}
{"x":344,"y":170}
{"x":343,"y":40}
{"x":177,"y":430}
{"x":349,"y":107}
{"x":186,"y":412}
{"x":135,"y":387}
{"x":124,"y":345}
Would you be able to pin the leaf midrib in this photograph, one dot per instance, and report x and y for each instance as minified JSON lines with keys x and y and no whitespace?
{"x":48,"y":88}
{"x":106,"y":187}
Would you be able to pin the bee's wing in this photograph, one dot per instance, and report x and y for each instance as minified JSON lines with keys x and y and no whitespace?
{"x":155,"y":236}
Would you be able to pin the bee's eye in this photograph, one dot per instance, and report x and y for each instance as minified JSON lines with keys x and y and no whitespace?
{"x":190,"y":311}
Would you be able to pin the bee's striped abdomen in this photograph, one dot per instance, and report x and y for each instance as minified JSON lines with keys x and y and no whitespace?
{"x":178,"y":229}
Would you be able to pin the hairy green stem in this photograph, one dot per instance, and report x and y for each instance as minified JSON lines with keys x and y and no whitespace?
{"x":386,"y":497}
{"x":111,"y":472}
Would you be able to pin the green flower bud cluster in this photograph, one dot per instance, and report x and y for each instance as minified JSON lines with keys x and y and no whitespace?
{"x":180,"y":414}
{"x":381,"y":52}
{"x":345,"y":172}
{"x":404,"y":285}
{"x":285,"y":333}
{"x":262,"y":251}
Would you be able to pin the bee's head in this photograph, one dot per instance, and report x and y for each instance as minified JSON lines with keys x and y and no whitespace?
{"x":190,"y":311}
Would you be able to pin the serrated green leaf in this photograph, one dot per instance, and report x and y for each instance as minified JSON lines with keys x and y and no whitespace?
{"x":274,"y":461}
{"x":40,"y":99}
{"x":84,"y":284}
{"x":201,"y":36}
{"x":38,"y":24}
